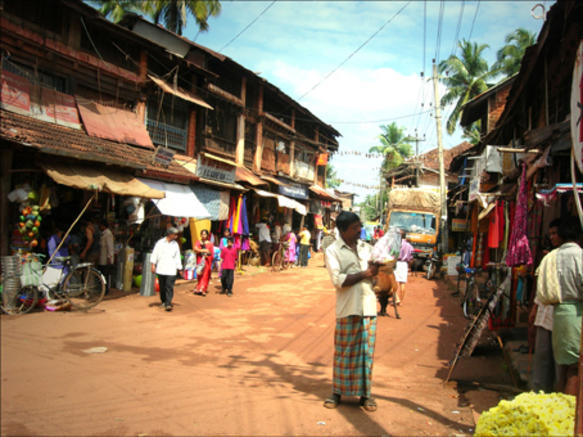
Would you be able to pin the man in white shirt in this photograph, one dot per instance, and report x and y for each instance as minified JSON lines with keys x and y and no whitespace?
{"x":350,"y":270}
{"x":264,"y":242}
{"x":166,"y":263}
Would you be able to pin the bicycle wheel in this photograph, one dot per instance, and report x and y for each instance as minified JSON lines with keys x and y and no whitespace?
{"x":84,"y":287}
{"x":276,"y":261}
{"x":21,"y":302}
{"x":470,"y":305}
{"x":284,"y":262}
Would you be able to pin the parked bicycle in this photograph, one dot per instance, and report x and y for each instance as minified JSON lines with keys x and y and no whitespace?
{"x":278,"y":259}
{"x":477,"y":293}
{"x":82,"y":287}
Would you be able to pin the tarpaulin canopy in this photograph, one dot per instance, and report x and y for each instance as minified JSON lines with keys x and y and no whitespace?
{"x":216,"y":202}
{"x":179,"y":92}
{"x":113,"y":123}
{"x":91,"y":178}
{"x":284,"y":202}
{"x":180,"y":201}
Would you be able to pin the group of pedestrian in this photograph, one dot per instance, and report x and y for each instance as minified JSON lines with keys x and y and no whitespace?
{"x":94,"y":243}
{"x":297,"y":243}
{"x":166,"y":263}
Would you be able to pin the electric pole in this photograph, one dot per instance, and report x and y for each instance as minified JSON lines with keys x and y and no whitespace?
{"x":417,"y":140}
{"x":442,"y":187}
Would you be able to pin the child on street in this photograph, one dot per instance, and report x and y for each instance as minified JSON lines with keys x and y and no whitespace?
{"x":229,"y":257}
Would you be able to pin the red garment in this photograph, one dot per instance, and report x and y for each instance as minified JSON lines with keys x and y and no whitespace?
{"x":204,"y":278}
{"x":228,"y":257}
{"x":494,"y":229}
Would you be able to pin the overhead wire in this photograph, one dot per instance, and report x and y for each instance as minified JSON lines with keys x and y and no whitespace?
{"x":474,"y":20}
{"x":457,"y":29}
{"x":354,"y":52}
{"x":248,"y":26}
{"x":439,"y":26}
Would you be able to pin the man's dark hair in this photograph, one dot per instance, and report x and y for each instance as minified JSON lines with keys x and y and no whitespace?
{"x":569,"y":229}
{"x":556,"y":223}
{"x":230,"y":239}
{"x":345,"y":219}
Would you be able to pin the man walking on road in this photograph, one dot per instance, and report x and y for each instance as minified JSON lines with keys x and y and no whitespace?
{"x":264,"y":242}
{"x":402,"y":269}
{"x":166,"y":263}
{"x":350,"y":270}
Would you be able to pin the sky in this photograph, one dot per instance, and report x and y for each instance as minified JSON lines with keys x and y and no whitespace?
{"x":356,"y":64}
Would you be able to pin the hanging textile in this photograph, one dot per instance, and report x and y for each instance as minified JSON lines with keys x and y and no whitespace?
{"x":519,"y":249}
{"x":211,"y":199}
{"x":494,"y":228}
{"x":244,"y":218}
{"x":224,"y":206}
{"x":196,"y":226}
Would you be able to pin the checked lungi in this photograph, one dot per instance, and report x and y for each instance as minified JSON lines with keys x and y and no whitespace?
{"x":354,"y":342}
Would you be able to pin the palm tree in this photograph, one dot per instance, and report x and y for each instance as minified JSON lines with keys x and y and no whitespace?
{"x":332,"y":180}
{"x":116,"y":9}
{"x":465,"y":78}
{"x":393,"y":146}
{"x":510,"y":56}
{"x":472,"y":133}
{"x":174,"y":13}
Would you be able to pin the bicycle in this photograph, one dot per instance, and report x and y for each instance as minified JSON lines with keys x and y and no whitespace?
{"x":476,"y":293}
{"x":82,"y":287}
{"x":278,"y":259}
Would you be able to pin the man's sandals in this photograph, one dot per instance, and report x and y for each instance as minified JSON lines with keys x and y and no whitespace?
{"x":368,"y":404}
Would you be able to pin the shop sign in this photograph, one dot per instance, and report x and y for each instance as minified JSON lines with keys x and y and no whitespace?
{"x":296,"y":191}
{"x":459,"y":225}
{"x":215,"y":170}
{"x":46,"y":104}
{"x":577,"y":108}
{"x":163,"y":156}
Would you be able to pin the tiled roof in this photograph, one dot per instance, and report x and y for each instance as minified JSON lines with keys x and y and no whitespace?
{"x":430,"y":159}
{"x":63,"y":141}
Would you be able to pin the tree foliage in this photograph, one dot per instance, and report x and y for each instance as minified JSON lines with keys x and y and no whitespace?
{"x":172,"y":14}
{"x":332,"y":180}
{"x":510,"y":56}
{"x":393,"y":146}
{"x":466,"y":77}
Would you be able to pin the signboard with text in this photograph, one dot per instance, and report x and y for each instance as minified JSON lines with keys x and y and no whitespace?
{"x":296,"y":191}
{"x":215,"y":170}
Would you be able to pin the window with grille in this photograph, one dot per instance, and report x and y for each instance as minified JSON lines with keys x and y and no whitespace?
{"x":168,"y":124}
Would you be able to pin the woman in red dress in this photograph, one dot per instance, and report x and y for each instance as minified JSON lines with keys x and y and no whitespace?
{"x":204,"y":250}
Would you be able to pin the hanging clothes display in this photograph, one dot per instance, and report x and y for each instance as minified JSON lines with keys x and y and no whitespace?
{"x":519,"y":250}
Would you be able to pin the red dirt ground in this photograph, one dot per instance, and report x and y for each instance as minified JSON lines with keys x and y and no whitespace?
{"x":258,"y":363}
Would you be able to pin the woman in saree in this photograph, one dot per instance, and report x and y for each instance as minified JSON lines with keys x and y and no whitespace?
{"x":204,"y":250}
{"x":290,"y":254}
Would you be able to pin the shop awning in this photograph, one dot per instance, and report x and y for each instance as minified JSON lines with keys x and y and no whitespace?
{"x":179,"y":92}
{"x":180,"y":201}
{"x":283,"y":201}
{"x":321,"y":192}
{"x":91,"y":179}
{"x":216,"y":202}
{"x":242,"y":174}
{"x":272,"y":180}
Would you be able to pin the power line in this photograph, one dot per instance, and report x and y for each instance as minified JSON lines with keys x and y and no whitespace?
{"x":248,"y":26}
{"x":457,"y":30}
{"x":439,"y":24}
{"x":379,"y":121}
{"x":474,"y":20}
{"x":354,"y":52}
{"x":424,"y":36}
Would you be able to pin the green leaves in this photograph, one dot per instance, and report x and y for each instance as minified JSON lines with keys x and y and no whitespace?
{"x":393,"y":145}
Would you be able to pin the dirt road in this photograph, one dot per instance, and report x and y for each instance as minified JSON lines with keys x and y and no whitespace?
{"x":258,"y":363}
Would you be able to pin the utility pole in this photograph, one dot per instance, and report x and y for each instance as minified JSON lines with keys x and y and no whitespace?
{"x":442,"y":187}
{"x":417,"y":140}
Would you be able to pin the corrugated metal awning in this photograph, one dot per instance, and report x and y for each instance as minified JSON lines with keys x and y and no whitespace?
{"x":243,"y":174}
{"x":179,"y":92}
{"x":321,"y":192}
{"x":273,"y":180}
